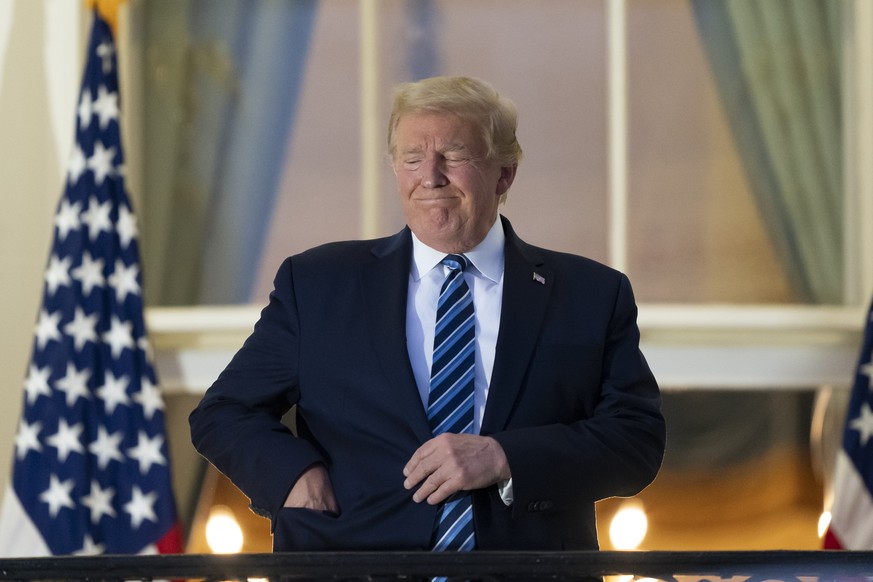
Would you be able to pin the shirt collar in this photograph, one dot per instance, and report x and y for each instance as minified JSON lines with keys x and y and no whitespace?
{"x":486,"y":257}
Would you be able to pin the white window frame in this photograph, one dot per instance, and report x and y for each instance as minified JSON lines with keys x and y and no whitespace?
{"x":762,"y":347}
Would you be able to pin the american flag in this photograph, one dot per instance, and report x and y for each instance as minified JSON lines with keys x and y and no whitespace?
{"x":851,"y":526}
{"x":91,"y":471}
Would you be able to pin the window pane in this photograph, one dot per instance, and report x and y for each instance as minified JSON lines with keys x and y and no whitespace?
{"x":216,"y":230}
{"x":503,"y":42}
{"x":550,"y":59}
{"x":734,"y":192}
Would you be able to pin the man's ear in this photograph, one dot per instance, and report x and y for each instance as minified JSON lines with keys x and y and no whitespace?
{"x":507,"y":176}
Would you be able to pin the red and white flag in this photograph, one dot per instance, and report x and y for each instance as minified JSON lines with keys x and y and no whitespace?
{"x":851,"y":526}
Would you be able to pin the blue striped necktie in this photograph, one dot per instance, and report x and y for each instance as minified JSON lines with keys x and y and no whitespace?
{"x":450,"y":403}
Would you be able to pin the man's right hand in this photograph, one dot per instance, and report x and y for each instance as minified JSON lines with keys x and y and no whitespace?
{"x":313,"y":490}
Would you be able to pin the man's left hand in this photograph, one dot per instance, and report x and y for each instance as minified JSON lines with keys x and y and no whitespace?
{"x":450,"y":463}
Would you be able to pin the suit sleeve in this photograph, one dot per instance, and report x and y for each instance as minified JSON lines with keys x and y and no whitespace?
{"x":238,"y":424}
{"x":616,"y":450}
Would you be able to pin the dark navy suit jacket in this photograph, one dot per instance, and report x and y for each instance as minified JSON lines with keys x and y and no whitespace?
{"x":571,"y":400}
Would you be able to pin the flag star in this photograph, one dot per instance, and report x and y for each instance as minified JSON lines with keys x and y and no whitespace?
{"x":58,"y":495}
{"x":47,"y":328}
{"x":863,"y":424}
{"x":97,"y":218}
{"x":89,"y":548}
{"x":37,"y":383}
{"x":99,"y":501}
{"x":57,"y":273}
{"x":77,"y":165}
{"x":67,"y":218}
{"x":147,"y":452}
{"x":74,"y":384}
{"x":106,"y":106}
{"x":100,"y":162}
{"x":85,"y":109}
{"x":867,"y":370}
{"x":66,"y":440}
{"x":149,"y":397}
{"x":146,"y":347}
{"x":141,"y":507}
{"x":83,"y":328}
{"x":106,"y":447}
{"x":105,"y":50}
{"x":124,"y":280}
{"x":89,"y":273}
{"x":27,"y":438}
{"x":114,"y":391}
{"x":126,"y":226}
{"x":119,"y":336}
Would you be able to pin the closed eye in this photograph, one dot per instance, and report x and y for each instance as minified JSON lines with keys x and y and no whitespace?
{"x":457,"y":161}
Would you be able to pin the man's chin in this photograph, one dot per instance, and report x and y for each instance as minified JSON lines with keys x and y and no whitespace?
{"x":446,"y":236}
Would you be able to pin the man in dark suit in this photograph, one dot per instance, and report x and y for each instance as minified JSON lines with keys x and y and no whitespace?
{"x":556,"y":405}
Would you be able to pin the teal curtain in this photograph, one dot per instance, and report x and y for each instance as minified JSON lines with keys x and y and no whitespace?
{"x":222,"y":86}
{"x":777,"y":68}
{"x":776,"y":65}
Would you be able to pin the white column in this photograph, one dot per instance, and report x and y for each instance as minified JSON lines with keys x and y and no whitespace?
{"x":371,"y":146}
{"x":617,"y":131}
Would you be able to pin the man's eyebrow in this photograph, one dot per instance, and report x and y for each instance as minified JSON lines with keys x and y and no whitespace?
{"x":448,"y":148}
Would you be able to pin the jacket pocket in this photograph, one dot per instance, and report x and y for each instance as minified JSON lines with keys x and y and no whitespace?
{"x":301,"y":529}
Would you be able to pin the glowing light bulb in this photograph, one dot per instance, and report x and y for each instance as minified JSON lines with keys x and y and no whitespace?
{"x":629,"y":526}
{"x":223,"y":533}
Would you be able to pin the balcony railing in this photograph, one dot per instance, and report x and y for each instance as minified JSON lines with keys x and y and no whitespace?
{"x":794,"y":566}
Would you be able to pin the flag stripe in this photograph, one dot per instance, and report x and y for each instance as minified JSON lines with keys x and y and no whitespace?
{"x":18,"y":536}
{"x":852,"y":513}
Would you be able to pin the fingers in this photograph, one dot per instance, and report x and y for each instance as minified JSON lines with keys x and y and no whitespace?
{"x":313,"y":490}
{"x":435,"y":480}
{"x":450,"y":463}
{"x":420,"y":471}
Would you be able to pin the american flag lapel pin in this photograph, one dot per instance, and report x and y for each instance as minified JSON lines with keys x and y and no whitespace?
{"x":539,"y":278}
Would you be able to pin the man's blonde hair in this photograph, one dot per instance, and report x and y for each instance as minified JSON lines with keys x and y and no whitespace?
{"x":470,"y":99}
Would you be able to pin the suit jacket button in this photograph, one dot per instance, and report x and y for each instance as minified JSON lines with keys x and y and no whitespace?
{"x":533,"y":506}
{"x":546,"y":505}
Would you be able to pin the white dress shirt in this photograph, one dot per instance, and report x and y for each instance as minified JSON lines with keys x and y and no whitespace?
{"x":485,"y":279}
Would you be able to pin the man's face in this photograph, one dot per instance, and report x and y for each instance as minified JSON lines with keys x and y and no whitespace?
{"x":448,"y":190}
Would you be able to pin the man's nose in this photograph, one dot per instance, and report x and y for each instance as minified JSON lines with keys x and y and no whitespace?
{"x":433,"y":174}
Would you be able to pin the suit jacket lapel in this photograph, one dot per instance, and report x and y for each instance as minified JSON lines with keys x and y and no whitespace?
{"x":385,"y":282}
{"x":527,"y":285}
